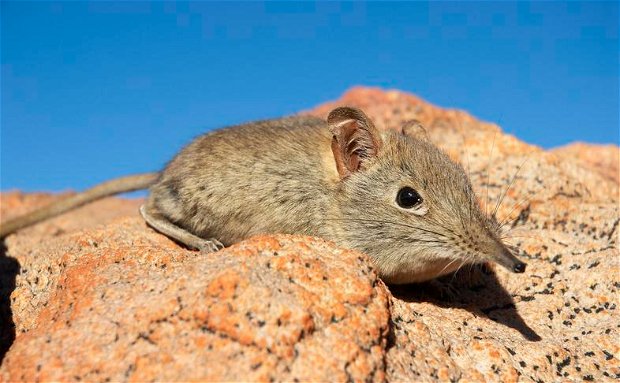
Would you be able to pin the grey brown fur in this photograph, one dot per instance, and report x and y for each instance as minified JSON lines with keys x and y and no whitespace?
{"x":337,"y":180}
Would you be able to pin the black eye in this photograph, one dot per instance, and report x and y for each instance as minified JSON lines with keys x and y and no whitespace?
{"x":408,"y":198}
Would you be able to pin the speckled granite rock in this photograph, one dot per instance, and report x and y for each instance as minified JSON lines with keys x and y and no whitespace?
{"x":137,"y":307}
{"x":558,"y":320}
{"x":604,"y":159}
{"x":119,"y":301}
{"x":32,"y":283}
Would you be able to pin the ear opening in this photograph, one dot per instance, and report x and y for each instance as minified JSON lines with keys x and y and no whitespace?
{"x":355,"y":139}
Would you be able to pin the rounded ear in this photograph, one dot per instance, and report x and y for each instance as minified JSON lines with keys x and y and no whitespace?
{"x":414,"y":129}
{"x":355,"y":139}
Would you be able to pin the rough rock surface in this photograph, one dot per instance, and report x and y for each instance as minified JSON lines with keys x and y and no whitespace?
{"x":605,"y":159}
{"x":137,"y":307}
{"x":97,"y":295}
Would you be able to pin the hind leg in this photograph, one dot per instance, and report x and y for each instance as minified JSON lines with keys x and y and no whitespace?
{"x":162,"y":225}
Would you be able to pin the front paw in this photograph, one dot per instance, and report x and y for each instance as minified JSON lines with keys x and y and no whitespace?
{"x":211,"y":245}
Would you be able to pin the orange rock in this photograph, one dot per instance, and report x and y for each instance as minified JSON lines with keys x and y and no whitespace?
{"x":604,"y":159}
{"x":95,"y":294}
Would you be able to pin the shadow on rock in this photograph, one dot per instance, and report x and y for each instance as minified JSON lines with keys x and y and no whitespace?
{"x":9,"y":268}
{"x":476,"y":290}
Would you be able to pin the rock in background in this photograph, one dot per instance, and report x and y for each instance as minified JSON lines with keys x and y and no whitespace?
{"x":96,"y":295}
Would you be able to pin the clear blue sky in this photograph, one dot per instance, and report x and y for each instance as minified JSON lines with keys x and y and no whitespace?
{"x":92,"y":91}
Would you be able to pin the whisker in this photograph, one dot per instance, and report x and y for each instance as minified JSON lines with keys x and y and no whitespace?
{"x":464,"y":149}
{"x":522,"y":202}
{"x":457,"y":271}
{"x":424,"y":240}
{"x":518,"y":234}
{"x":513,"y":237}
{"x":503,"y":195}
{"x":391,"y":223}
{"x":510,"y":235}
{"x":471,"y":267}
{"x":486,"y":202}
{"x":448,"y":265}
